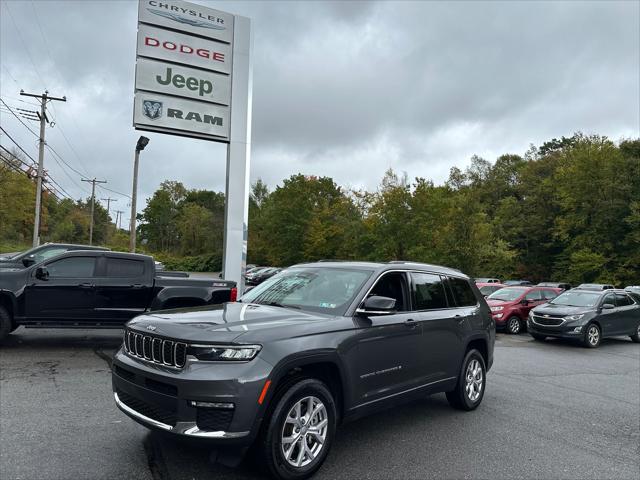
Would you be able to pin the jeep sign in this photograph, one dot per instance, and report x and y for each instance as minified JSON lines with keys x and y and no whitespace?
{"x":159,"y":112}
{"x":182,"y":81}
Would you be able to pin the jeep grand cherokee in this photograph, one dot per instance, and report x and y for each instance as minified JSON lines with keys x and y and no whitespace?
{"x":315,"y":345}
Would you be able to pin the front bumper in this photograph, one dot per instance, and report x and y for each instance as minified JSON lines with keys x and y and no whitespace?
{"x":162,"y":398}
{"x":562,"y":331}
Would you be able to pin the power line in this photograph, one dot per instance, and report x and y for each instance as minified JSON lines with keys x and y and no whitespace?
{"x":114,"y":191}
{"x":14,"y":114}
{"x":17,"y":144}
{"x":52,"y":150}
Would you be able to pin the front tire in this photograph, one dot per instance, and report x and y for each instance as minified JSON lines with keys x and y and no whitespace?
{"x":635,"y":338}
{"x":299,"y":432}
{"x":592,"y":336}
{"x":514,"y":325}
{"x":471,"y":383}
{"x":6,"y":323}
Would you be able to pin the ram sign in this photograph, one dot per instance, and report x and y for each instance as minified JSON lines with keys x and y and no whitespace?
{"x":183,"y":70}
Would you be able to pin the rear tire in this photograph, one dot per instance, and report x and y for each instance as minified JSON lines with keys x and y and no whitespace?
{"x":513,"y":325}
{"x":537,"y":337}
{"x":635,"y":338}
{"x":471,"y":384}
{"x":6,"y":323}
{"x":292,"y":418}
{"x":592,"y":336}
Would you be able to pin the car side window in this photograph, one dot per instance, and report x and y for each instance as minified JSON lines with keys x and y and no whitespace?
{"x":123,"y":267}
{"x":393,"y":285}
{"x":609,"y":298}
{"x":71,"y":267}
{"x":48,"y":253}
{"x":549,"y":294}
{"x":428,"y":291}
{"x":534,"y":295}
{"x":623,"y":300}
{"x":462,"y":292}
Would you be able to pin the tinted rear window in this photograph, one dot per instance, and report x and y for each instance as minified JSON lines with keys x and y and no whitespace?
{"x":462,"y":292}
{"x":428,"y":291}
{"x":121,"y":267}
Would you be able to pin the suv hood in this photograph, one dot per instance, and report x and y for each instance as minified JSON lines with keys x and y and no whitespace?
{"x":560,"y":310}
{"x":494,"y":303}
{"x":227,"y":322}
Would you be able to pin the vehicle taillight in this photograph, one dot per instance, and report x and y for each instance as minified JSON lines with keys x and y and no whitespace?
{"x":234,"y":294}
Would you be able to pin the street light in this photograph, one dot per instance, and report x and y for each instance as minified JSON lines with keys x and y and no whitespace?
{"x":142,"y":142}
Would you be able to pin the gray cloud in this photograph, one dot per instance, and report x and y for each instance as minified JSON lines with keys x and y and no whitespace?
{"x":345,"y":89}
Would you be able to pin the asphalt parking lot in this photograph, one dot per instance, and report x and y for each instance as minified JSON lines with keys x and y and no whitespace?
{"x":552,"y":410}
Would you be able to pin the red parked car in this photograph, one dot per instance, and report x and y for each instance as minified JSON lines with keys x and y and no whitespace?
{"x":510,"y":305}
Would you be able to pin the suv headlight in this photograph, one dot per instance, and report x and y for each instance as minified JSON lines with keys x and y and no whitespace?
{"x":497,"y":309}
{"x":226,"y":353}
{"x":571,"y":318}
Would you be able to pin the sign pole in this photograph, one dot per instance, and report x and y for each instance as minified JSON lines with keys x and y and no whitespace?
{"x":236,"y":213}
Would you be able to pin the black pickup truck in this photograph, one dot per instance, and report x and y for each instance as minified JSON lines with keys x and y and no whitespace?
{"x":93,"y":288}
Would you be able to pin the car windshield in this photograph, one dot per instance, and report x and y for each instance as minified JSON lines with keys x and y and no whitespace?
{"x":574,"y":298}
{"x":506,"y":294}
{"x":319,"y":289}
{"x":483,"y":280}
{"x":487,"y":289}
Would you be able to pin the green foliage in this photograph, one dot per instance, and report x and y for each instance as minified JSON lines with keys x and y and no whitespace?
{"x":567,"y":211}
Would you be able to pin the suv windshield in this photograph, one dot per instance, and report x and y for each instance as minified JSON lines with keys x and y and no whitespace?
{"x":324,"y":290}
{"x":574,"y":298}
{"x":507,"y":294}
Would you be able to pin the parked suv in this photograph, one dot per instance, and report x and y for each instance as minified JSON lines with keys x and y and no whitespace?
{"x":510,"y":305}
{"x":314,"y":346}
{"x":587,"y":315}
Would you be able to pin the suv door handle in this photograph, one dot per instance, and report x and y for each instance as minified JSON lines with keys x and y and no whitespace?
{"x":86,"y":285}
{"x":459,"y":318}
{"x":136,"y":285}
{"x":411,"y":323}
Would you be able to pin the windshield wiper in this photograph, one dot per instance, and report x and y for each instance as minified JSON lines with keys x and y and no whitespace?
{"x":276,"y":304}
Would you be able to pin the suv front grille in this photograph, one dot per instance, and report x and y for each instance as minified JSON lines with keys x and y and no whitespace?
{"x":155,"y":349}
{"x":548,"y":321}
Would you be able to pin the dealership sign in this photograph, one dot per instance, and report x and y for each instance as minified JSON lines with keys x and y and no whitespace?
{"x":183,"y":70}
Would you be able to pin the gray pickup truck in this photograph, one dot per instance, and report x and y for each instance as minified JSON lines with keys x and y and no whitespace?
{"x":96,"y":288}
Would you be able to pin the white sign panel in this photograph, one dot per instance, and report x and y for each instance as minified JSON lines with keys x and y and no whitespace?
{"x":161,"y":112}
{"x":187,"y":17}
{"x":156,"y":42}
{"x":182,"y":81}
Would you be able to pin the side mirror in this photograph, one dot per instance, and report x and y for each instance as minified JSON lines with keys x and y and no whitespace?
{"x":28,"y":261}
{"x":42,"y":273}
{"x":377,"y":305}
{"x":608,"y":306}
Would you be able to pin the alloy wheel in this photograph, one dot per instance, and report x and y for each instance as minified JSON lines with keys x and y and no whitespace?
{"x":304,"y":431}
{"x":514,"y":325}
{"x":474,"y":377}
{"x":593,"y":335}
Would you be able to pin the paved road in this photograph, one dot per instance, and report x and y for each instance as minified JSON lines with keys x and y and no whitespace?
{"x":551,"y":410}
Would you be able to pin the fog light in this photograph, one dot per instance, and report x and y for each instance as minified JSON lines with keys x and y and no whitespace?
{"x":227,"y":406}
{"x":577,"y":330}
{"x":498,"y":315}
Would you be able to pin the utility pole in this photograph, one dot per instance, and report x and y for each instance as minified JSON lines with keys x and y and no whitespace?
{"x":44,"y":98}
{"x":93,"y":199}
{"x":119,"y":218}
{"x":142,"y":142}
{"x":109,"y":200}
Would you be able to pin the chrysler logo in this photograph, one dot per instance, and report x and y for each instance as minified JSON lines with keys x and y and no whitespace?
{"x":189,"y":21}
{"x":151,"y":327}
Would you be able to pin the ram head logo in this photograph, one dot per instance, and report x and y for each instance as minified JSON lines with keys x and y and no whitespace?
{"x":152,"y":109}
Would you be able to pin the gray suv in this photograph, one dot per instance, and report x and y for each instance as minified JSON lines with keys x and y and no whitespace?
{"x":314,"y":346}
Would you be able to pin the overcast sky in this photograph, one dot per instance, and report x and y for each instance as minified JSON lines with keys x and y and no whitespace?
{"x":343,"y":89}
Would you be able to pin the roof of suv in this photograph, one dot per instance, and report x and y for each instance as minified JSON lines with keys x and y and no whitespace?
{"x":381,"y":267}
